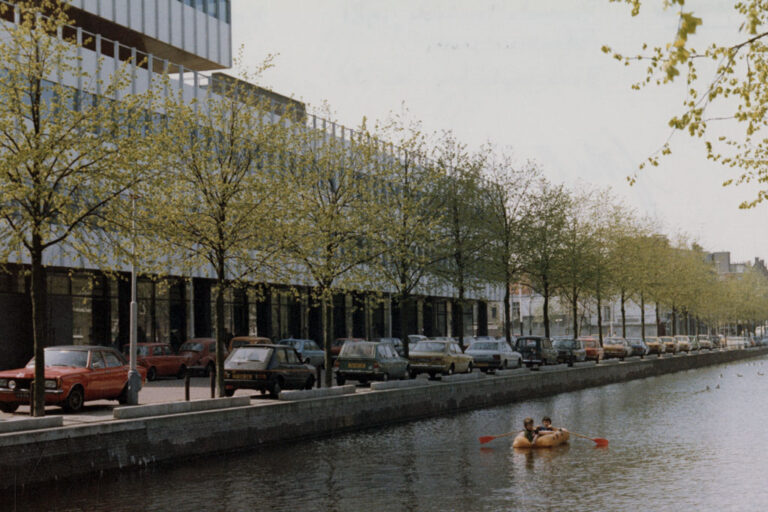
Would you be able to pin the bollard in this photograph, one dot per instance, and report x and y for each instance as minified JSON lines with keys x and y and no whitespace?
{"x":213,"y":383}
{"x":186,"y":385}
{"x":318,"y":374}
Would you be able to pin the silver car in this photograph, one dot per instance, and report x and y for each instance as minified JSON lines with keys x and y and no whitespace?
{"x":308,"y":350}
{"x":493,"y":355}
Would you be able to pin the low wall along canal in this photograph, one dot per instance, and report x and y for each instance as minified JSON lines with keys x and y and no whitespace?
{"x":179,"y":432}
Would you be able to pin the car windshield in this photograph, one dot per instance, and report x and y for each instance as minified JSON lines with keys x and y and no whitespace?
{"x":357,"y":349}
{"x":251,"y":354}
{"x":191,"y":347}
{"x":523,"y":343}
{"x":565,"y":344}
{"x":484,"y":345}
{"x":73,"y":358}
{"x":613,"y":341}
{"x":429,"y":346}
{"x":290,"y":343}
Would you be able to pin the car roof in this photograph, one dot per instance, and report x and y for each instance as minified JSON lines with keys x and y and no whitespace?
{"x":79,"y":347}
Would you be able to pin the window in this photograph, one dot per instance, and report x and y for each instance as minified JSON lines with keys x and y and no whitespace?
{"x":112,"y":360}
{"x":97,"y":360}
{"x":291,"y":356}
{"x":282,"y":356}
{"x":494,"y":312}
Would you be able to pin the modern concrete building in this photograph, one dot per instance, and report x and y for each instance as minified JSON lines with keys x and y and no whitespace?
{"x":189,"y":39}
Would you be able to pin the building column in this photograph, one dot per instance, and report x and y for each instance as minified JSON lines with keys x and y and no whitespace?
{"x":449,"y":318}
{"x":253,"y":326}
{"x":420,"y":315}
{"x":189,"y":295}
{"x":348,"y":317}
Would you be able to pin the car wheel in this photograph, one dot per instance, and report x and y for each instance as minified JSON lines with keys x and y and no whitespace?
{"x":432,"y":375}
{"x":385,"y":377}
{"x":229,"y":392}
{"x":182,"y":372}
{"x":8,"y":407}
{"x":505,"y":365}
{"x":469,"y":368}
{"x":406,"y":373}
{"x":621,"y":359}
{"x":570,"y":362}
{"x":276,"y":388}
{"x":340,"y":380}
{"x":151,"y":373}
{"x":450,"y":370}
{"x":519,"y":363}
{"x":74,"y":402}
{"x":543,"y":362}
{"x":413,"y":374}
{"x":310,"y":382}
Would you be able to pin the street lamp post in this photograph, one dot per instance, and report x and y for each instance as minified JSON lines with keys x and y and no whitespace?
{"x":134,"y":379}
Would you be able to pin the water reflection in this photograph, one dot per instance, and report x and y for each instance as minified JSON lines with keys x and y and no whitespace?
{"x":674,"y":444}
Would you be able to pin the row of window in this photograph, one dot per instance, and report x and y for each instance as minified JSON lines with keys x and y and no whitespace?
{"x":219,"y":9}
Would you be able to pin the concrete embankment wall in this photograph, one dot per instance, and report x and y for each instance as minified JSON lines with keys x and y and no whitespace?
{"x":62,"y":452}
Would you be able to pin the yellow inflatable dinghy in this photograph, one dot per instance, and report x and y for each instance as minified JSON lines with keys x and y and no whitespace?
{"x":555,"y":438}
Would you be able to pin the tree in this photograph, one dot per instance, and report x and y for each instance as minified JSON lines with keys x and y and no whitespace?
{"x":215,"y":200}
{"x":412,"y":239}
{"x":542,"y":244}
{"x":331,"y":209}
{"x":66,"y":152}
{"x":464,"y":215}
{"x":575,"y":262}
{"x":726,"y":94}
{"x":508,"y":216}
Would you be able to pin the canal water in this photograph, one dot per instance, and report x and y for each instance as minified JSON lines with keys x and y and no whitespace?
{"x":694,"y":440}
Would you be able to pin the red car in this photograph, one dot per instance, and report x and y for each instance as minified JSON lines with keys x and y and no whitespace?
{"x":200,"y":355}
{"x":73,"y":375}
{"x":594,"y":351}
{"x":159,"y":360}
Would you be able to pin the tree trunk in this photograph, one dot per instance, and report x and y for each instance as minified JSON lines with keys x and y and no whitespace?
{"x":642,"y":315}
{"x":674,"y":320}
{"x":623,"y":315}
{"x":546,"y":309}
{"x":403,"y":302}
{"x":39,"y":297}
{"x":326,"y":341}
{"x":460,"y":319}
{"x":575,"y":310}
{"x":221,"y":334}
{"x":599,"y":317}
{"x":687,"y":322}
{"x":658,"y":320}
{"x":507,"y":313}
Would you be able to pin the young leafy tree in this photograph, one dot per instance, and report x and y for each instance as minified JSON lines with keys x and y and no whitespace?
{"x":412,"y":239}
{"x":215,"y":200}
{"x":543,"y":242}
{"x":332,"y":206}
{"x":508,"y":211}
{"x":726,"y":96}
{"x":466,"y":234}
{"x":575,"y":265}
{"x":65,"y":153}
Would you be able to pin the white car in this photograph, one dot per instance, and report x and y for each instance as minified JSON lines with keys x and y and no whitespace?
{"x":493,"y":355}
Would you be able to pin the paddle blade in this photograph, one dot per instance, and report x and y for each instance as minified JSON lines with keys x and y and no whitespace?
{"x":599,"y":441}
{"x":486,"y":439}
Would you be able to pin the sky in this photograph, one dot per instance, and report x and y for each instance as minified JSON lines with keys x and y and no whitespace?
{"x":527,"y":76}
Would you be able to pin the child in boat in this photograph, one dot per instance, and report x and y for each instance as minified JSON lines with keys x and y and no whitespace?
{"x":531,"y":434}
{"x":546,"y":425}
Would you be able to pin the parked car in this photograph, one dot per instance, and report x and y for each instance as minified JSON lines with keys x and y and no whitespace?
{"x":308,"y":351}
{"x":437,"y":356}
{"x":670,"y":344}
{"x":570,"y":351}
{"x":717,"y":340}
{"x":655,"y":345}
{"x":200,"y":355}
{"x":494,"y":355}
{"x":736,"y":342}
{"x":159,"y":360}
{"x":536,"y":350}
{"x":266,"y":368}
{"x":592,"y":346}
{"x":73,"y":375}
{"x":241,"y":341}
{"x":704,"y":341}
{"x":512,"y":339}
{"x":338,"y":343}
{"x":396,"y":343}
{"x":616,"y":348}
{"x":683,"y":343}
{"x":365,"y":361}
{"x":638,"y":346}
{"x":693,"y":340}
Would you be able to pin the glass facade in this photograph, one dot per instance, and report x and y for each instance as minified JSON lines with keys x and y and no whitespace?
{"x":219,"y":9}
